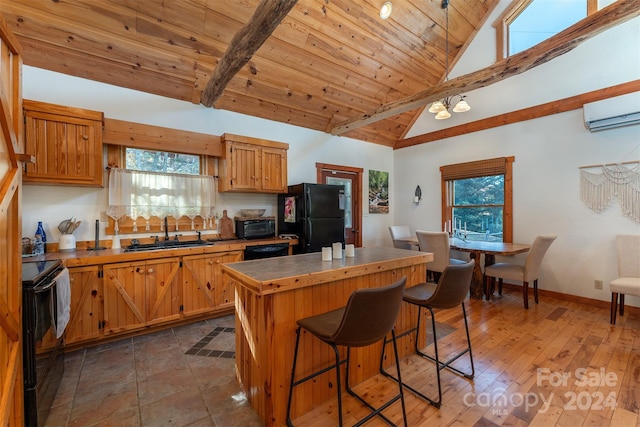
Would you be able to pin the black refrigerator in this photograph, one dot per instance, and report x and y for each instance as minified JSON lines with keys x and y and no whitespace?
{"x":314,"y":213}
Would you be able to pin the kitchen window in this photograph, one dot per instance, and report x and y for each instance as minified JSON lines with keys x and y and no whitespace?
{"x":477,"y":199}
{"x":161,"y":161}
{"x":158,"y":185}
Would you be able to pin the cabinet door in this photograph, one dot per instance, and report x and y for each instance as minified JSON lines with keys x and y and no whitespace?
{"x":274,"y":170}
{"x":68,"y":150}
{"x":163,"y":290}
{"x":86,"y":305}
{"x":124,"y":296}
{"x":204,"y":289}
{"x":244,"y":167}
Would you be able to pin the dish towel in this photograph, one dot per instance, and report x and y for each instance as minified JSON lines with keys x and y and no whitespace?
{"x":63,"y":301}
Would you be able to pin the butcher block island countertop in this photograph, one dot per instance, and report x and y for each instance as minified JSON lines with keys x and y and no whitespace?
{"x":272,"y":294}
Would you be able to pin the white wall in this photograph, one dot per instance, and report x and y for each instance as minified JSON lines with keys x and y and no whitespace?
{"x":52,"y":204}
{"x":548,"y":152}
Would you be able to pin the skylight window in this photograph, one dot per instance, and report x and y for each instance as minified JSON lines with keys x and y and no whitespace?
{"x":542,"y":19}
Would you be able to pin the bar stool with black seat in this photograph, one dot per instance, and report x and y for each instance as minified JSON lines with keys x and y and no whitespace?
{"x":450,"y":291}
{"x":368,"y":317}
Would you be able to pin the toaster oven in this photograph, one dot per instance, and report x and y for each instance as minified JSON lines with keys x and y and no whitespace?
{"x":255,"y":228}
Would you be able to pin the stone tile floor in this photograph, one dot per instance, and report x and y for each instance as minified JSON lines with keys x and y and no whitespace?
{"x":184,"y":376}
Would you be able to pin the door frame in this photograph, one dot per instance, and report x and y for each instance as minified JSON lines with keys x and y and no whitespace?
{"x":356,"y":193}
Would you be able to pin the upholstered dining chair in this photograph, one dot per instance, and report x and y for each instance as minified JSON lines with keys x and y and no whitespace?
{"x":628,"y":281}
{"x":527,"y":273}
{"x":399,"y":232}
{"x":436,"y":242}
{"x":450,"y":292}
{"x":369,"y":316}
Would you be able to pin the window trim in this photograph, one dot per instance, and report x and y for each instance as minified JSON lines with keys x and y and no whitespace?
{"x":510,"y":14}
{"x":474,"y":169}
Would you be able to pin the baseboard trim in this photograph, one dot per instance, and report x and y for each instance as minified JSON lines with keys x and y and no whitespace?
{"x":573,"y":298}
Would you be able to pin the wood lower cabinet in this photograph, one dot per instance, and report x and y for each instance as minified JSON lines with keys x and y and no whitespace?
{"x":139,"y":294}
{"x":204,"y":287}
{"x":85,"y":320}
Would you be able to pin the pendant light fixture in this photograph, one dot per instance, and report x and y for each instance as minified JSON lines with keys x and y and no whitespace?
{"x":441,"y":108}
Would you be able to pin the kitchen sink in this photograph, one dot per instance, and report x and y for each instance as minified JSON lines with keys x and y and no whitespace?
{"x":165,"y":244}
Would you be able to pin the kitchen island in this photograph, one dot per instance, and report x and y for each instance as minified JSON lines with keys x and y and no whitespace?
{"x":272,"y":294}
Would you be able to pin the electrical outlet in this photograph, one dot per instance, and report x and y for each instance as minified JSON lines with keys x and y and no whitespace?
{"x":597,"y":284}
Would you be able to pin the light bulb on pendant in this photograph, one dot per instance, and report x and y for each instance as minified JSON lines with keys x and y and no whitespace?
{"x":436,"y":107}
{"x":444,"y":114}
{"x":462,"y":106}
{"x":385,"y":10}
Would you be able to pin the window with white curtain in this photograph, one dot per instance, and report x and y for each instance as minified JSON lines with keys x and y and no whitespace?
{"x":148,"y":194}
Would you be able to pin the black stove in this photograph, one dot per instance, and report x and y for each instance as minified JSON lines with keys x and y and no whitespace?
{"x":42,"y":373}
{"x":37,"y":272}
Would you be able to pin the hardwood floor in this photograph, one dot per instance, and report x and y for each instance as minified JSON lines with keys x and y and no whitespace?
{"x":559,"y":363}
{"x":530,"y":367}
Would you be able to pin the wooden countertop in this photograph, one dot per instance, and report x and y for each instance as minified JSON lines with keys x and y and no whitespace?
{"x":83,"y":257}
{"x":266,"y":276}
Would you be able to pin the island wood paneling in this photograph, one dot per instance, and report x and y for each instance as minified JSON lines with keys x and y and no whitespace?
{"x":265,"y":333}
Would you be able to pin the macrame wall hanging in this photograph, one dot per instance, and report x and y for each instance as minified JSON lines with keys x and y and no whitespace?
{"x":600,"y":184}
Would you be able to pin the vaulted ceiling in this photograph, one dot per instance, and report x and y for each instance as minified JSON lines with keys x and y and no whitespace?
{"x":326,"y":61}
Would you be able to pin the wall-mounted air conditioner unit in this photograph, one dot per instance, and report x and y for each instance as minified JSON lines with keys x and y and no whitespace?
{"x":613,"y":112}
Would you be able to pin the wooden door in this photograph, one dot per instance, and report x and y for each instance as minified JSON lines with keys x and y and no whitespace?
{"x":163,"y":290}
{"x":124,"y":296}
{"x":67,"y":148}
{"x":86,"y":317}
{"x":204,"y":288}
{"x":224,"y":289}
{"x":274,"y":169}
{"x":351,"y":178}
{"x":11,"y":148}
{"x":244,"y":167}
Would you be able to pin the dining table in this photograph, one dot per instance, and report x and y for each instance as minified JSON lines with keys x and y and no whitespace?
{"x":476,"y":249}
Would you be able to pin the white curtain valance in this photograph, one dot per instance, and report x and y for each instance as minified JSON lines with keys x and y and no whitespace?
{"x":147,"y":194}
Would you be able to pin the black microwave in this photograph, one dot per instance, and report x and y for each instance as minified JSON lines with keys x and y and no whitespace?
{"x":257,"y":228}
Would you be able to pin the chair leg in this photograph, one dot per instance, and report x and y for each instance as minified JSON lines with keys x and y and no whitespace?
{"x":525,"y":294}
{"x":621,"y":304}
{"x":295,"y":383}
{"x":338,"y":385}
{"x":400,"y":395}
{"x":439,"y":365}
{"x":535,"y":290}
{"x":487,"y":287}
{"x":293,"y":375}
{"x":614,"y":307}
{"x":500,"y":287}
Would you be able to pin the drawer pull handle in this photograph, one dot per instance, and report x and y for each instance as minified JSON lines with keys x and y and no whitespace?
{"x":150,"y":271}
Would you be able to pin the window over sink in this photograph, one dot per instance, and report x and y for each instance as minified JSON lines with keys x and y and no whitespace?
{"x":155,"y":188}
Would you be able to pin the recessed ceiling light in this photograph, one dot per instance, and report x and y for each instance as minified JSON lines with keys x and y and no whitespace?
{"x":385,"y":10}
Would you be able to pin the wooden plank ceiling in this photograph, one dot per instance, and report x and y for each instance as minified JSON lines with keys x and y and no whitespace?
{"x":327,"y":61}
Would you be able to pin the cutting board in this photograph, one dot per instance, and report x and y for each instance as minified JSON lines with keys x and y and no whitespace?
{"x":226,"y":226}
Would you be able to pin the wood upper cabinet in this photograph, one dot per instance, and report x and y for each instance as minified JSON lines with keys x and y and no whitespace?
{"x":253,"y":165}
{"x":66,"y":143}
{"x":86,"y":318}
{"x":204,"y":287}
{"x":141,"y":293}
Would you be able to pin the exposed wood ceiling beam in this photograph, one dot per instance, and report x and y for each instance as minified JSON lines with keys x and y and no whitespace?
{"x":244,"y":44}
{"x":561,"y":43}
{"x":530,"y":113}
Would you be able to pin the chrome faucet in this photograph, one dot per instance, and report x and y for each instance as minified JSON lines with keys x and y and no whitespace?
{"x":166,"y":228}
